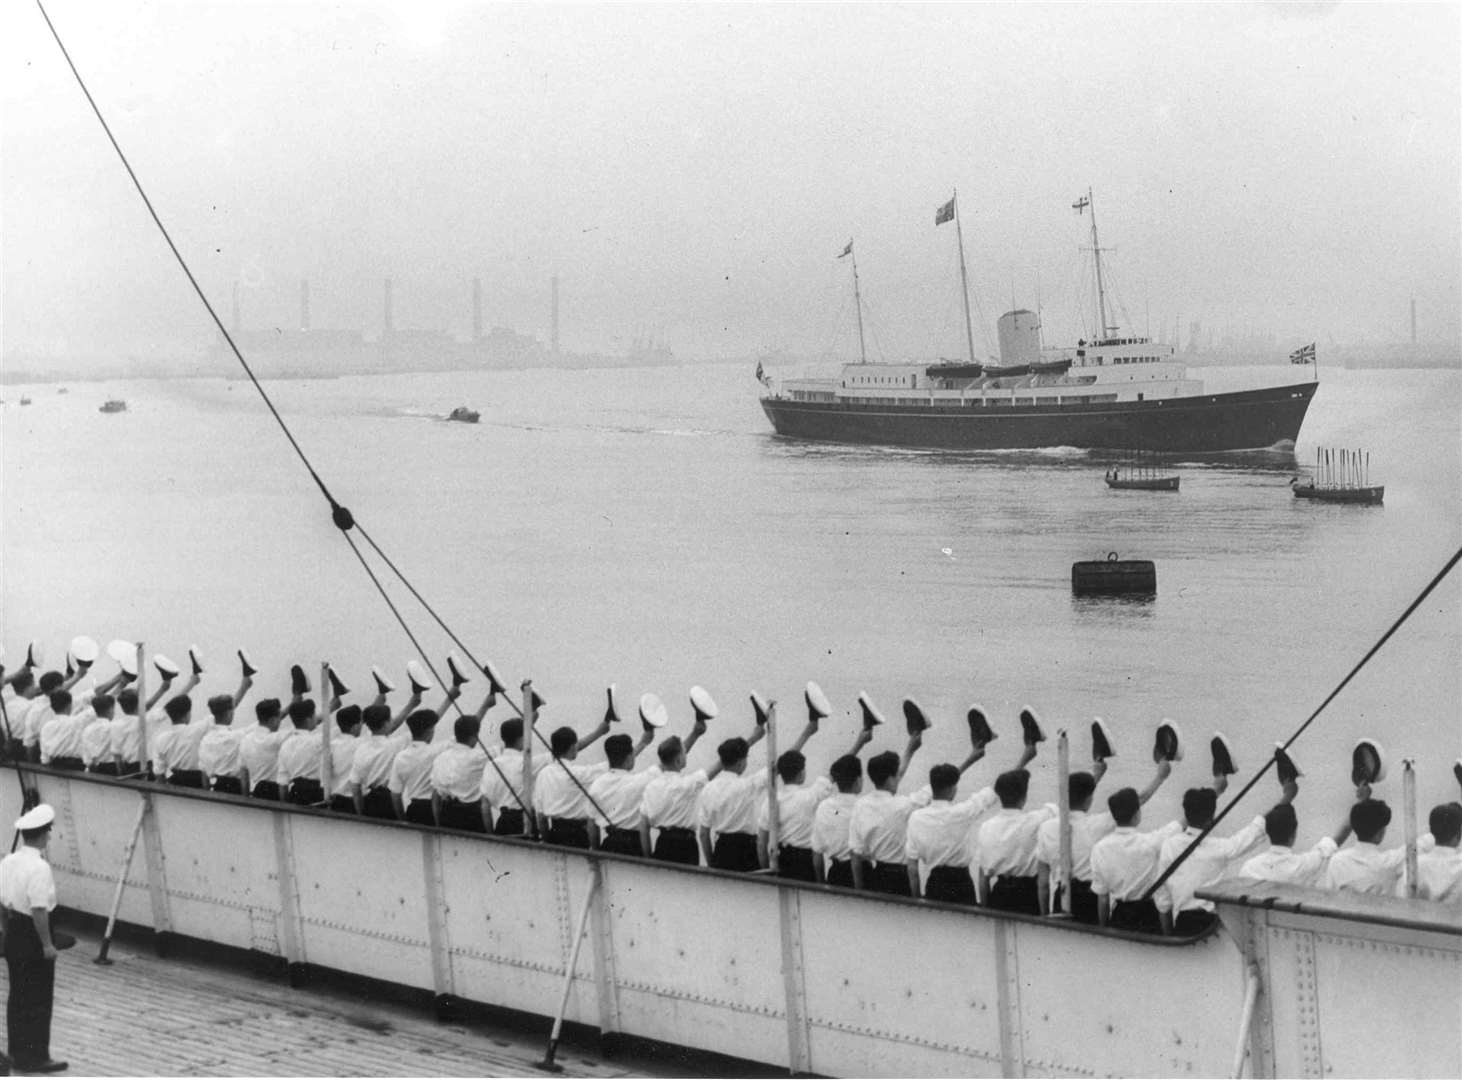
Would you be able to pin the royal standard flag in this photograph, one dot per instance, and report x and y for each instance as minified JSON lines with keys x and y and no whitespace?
{"x":944,"y":213}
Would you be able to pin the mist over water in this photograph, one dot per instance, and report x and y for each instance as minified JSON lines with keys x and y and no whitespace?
{"x":645,"y":528}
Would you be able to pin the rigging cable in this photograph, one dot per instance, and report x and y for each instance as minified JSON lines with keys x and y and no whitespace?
{"x":1187,"y":851}
{"x":343,"y":519}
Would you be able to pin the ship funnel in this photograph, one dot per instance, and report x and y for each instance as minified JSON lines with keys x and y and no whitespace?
{"x":1020,"y":337}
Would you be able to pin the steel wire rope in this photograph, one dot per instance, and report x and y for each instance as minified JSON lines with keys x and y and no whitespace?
{"x":340,"y":515}
{"x":1187,"y":851}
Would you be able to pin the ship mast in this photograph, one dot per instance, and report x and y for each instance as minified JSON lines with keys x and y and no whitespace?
{"x":964,"y":281}
{"x":857,"y":303}
{"x":1084,"y":203}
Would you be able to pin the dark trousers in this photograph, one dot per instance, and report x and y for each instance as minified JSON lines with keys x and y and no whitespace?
{"x":305,"y":791}
{"x":1138,"y":915}
{"x":69,"y":764}
{"x":377,"y":804}
{"x":1193,"y":922}
{"x":466,"y":816}
{"x":32,"y":990}
{"x":621,"y":841}
{"x":509,"y":822}
{"x":840,"y":873}
{"x":951,"y":884}
{"x":795,"y":864}
{"x":418,"y":812}
{"x":105,"y":768}
{"x":568,"y":832}
{"x":192,"y":778}
{"x":678,"y":846}
{"x":266,"y":789}
{"x":887,"y":877}
{"x":735,"y":851}
{"x":1011,"y":893}
{"x":1083,"y":902}
{"x":228,"y":785}
{"x":342,"y":804}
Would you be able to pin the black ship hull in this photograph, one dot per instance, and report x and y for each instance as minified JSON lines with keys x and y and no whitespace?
{"x":1202,"y":423}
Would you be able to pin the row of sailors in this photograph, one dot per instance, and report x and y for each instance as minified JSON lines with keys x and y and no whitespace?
{"x":986,"y":848}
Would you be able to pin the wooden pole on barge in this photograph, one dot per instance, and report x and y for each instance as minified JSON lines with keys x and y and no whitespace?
{"x":547,"y":1064}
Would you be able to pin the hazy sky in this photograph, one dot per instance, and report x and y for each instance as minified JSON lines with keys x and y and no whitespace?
{"x":695,"y":169}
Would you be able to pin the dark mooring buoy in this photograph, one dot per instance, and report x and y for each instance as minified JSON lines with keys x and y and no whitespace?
{"x":1113,"y":576}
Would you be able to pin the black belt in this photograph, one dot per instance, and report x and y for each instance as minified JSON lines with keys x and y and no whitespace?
{"x":70,"y":762}
{"x":676,"y":830}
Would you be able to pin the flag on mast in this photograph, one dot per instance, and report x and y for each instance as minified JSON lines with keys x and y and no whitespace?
{"x":1303,"y":355}
{"x":847,"y":250}
{"x":944,"y":213}
{"x":1081,"y":204}
{"x":761,"y":376}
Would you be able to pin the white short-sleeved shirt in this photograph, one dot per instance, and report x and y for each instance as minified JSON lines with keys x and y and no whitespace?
{"x":796,"y":809}
{"x":374,"y":755}
{"x":218,"y":751}
{"x":1210,"y":863}
{"x":1438,"y":875}
{"x":259,"y":750}
{"x":941,"y":833}
{"x":411,"y":770}
{"x":728,"y":802}
{"x":1284,"y":865}
{"x":1365,"y":868}
{"x":1086,"y":830}
{"x":96,"y":742}
{"x":300,"y":756}
{"x":671,"y":799}
{"x":61,"y":737}
{"x":342,"y":757}
{"x":879,"y":823}
{"x":509,"y":762}
{"x":37,"y":715}
{"x":456,"y":773}
{"x":830,"y":826}
{"x":1006,"y":841}
{"x":26,"y":882}
{"x":177,"y":746}
{"x":1124,"y":863}
{"x":555,"y":795}
{"x":619,"y":792}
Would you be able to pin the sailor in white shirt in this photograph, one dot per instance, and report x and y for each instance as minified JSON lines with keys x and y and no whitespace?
{"x":617,"y":794}
{"x":1439,"y":871}
{"x":560,"y":791}
{"x":726,"y":809}
{"x":832,"y":853}
{"x":39,"y":712}
{"x":1124,"y":865}
{"x":938,"y":843}
{"x":1181,"y":911}
{"x":1364,"y":867}
{"x":370,"y":772}
{"x":877,"y":826}
{"x":1006,"y":843}
{"x":503,"y":792}
{"x":27,"y":899}
{"x":176,"y":752}
{"x":456,"y":778}
{"x":343,"y":743}
{"x":301,"y":754}
{"x":1086,"y":829}
{"x":670,"y":802}
{"x":96,"y":738}
{"x":410,"y":779}
{"x":259,"y":750}
{"x":218,"y":749}
{"x":797,"y":804}
{"x":1281,"y":863}
{"x":23,"y":694}
{"x":60,"y":743}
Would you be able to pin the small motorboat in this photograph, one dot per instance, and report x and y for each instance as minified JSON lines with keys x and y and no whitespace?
{"x":463,"y":415}
{"x":113,"y":406}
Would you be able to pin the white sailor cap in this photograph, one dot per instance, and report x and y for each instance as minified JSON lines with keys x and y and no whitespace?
{"x":494,"y":678}
{"x":1367,"y":762}
{"x":37,"y":817}
{"x":818,"y":706}
{"x":125,"y":654}
{"x":247,"y":664}
{"x":1284,"y":765}
{"x":456,"y":669}
{"x":84,"y":650}
{"x":1223,"y":758}
{"x":652,"y":711}
{"x":871,"y":716}
{"x":611,"y":707}
{"x":762,"y":708}
{"x":1030,"y":727}
{"x":914,"y":719}
{"x":703,"y":704}
{"x":383,"y":684}
{"x":1167,"y":743}
{"x":980,"y":730}
{"x":195,"y":657}
{"x":1101,"y":741}
{"x":420,"y":680}
{"x":337,"y":688}
{"x":165,"y":667}
{"x":35,"y":656}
